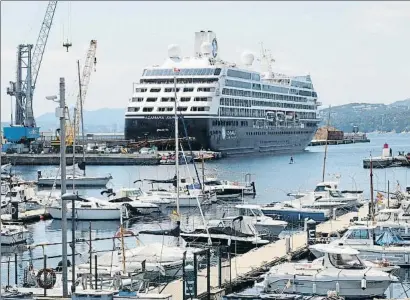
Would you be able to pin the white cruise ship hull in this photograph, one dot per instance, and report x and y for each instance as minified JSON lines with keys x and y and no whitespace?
{"x":87,"y":214}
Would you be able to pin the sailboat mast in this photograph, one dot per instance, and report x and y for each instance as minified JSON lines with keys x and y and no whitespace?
{"x":371,"y":190}
{"x":74,"y":137}
{"x":81,"y":111}
{"x":327,"y":137}
{"x":122,"y":245}
{"x":176,"y":136}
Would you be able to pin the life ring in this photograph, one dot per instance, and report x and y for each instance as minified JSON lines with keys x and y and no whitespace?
{"x":50,"y":277}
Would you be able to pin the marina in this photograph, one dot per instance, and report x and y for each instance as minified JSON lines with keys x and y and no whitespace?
{"x":221,"y":184}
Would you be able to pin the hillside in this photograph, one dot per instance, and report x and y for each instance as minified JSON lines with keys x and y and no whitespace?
{"x":370,"y":117}
{"x":101,"y":120}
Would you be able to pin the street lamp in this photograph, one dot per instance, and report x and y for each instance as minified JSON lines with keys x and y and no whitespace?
{"x":60,"y":113}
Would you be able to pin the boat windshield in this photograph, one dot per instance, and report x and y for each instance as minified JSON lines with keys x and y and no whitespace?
{"x":345,"y":261}
{"x":336,"y":194}
{"x":385,"y":216}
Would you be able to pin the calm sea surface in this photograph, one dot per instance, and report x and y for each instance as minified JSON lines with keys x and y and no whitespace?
{"x":273,"y":175}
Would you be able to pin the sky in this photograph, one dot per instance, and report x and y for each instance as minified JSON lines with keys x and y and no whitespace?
{"x":354,"y":51}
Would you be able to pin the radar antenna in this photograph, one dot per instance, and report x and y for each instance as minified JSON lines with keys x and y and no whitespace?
{"x":266,"y":61}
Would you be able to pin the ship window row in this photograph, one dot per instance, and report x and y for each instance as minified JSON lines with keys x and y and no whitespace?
{"x":276,"y":133}
{"x":189,"y":72}
{"x":303,"y":85}
{"x":133,"y":109}
{"x":172,"y":99}
{"x":200,"y":108}
{"x":258,"y":113}
{"x":235,"y":92}
{"x":238,"y":84}
{"x":167,"y":108}
{"x":203,"y":99}
{"x":169,"y":90}
{"x":229,"y":123}
{"x":137,"y":99}
{"x":239,"y":74}
{"x":250,"y":103}
{"x":275,"y":89}
{"x":179,"y":80}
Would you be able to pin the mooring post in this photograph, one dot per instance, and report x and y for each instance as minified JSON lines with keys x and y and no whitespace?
{"x":15,"y":268}
{"x":44,"y":274}
{"x":208,"y":273}
{"x":95,"y":271}
{"x":219,"y":266}
{"x":195,"y":275}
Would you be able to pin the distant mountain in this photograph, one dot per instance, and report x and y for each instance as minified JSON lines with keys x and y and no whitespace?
{"x":100,"y":120}
{"x":370,"y":117}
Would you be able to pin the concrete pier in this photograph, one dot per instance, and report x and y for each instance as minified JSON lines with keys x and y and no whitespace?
{"x":91,"y":159}
{"x":257,"y":261}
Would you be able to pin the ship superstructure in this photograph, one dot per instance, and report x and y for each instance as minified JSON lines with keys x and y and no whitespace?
{"x":225,"y":107}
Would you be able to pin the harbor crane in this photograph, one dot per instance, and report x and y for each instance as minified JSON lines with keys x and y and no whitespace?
{"x":72,"y":130}
{"x":24,"y":129}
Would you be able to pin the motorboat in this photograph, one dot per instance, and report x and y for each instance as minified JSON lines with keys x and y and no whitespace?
{"x":24,"y":196}
{"x":381,"y":265}
{"x":128,"y":199}
{"x":232,"y":232}
{"x":252,"y":214}
{"x":328,"y":192}
{"x":387,"y":247}
{"x":88,"y":209}
{"x":74,"y":176}
{"x":13,"y":234}
{"x":292,"y":214}
{"x":341,"y":270}
{"x":6,"y":168}
{"x":156,"y":257}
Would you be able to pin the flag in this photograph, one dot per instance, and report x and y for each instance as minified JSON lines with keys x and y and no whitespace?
{"x":379,"y":197}
{"x":176,"y":70}
{"x":288,"y":284}
{"x":124,"y":233}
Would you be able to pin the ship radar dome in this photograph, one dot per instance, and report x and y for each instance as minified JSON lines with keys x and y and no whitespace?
{"x":247,"y":58}
{"x":206,"y":48}
{"x":174,"y":52}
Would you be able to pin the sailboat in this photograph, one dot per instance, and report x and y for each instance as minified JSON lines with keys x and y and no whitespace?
{"x":75,"y":175}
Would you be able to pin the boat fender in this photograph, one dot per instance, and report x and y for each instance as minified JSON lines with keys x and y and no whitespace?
{"x":363,"y":284}
{"x":50,"y":278}
{"x":337,"y":287}
{"x":314,"y":288}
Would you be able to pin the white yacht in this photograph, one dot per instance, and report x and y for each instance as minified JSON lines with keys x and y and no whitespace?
{"x":226,"y":107}
{"x":13,"y":234}
{"x":341,"y":270}
{"x":385,"y":247}
{"x":74,"y":174}
{"x":6,"y":168}
{"x":252,"y":215}
{"x":88,"y":209}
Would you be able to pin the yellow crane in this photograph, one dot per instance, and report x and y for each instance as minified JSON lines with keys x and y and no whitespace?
{"x":72,"y":130}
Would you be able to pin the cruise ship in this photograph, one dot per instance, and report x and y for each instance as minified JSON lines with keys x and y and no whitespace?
{"x":222,"y":106}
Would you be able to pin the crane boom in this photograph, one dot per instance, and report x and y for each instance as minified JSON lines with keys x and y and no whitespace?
{"x":42,"y":40}
{"x":90,"y":62}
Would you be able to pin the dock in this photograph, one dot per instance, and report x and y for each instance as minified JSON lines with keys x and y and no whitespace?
{"x":91,"y":159}
{"x":338,"y":142}
{"x":26,"y":217}
{"x":252,"y":264}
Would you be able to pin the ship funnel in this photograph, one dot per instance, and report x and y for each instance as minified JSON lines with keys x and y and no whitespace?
{"x":206,"y":44}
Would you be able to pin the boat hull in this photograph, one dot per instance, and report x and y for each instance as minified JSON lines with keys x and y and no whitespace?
{"x":80,"y":182}
{"x":225,"y":136}
{"x":295,"y":215}
{"x":347,"y":288}
{"x":236,"y":245}
{"x":87,"y":214}
{"x":14,"y":238}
